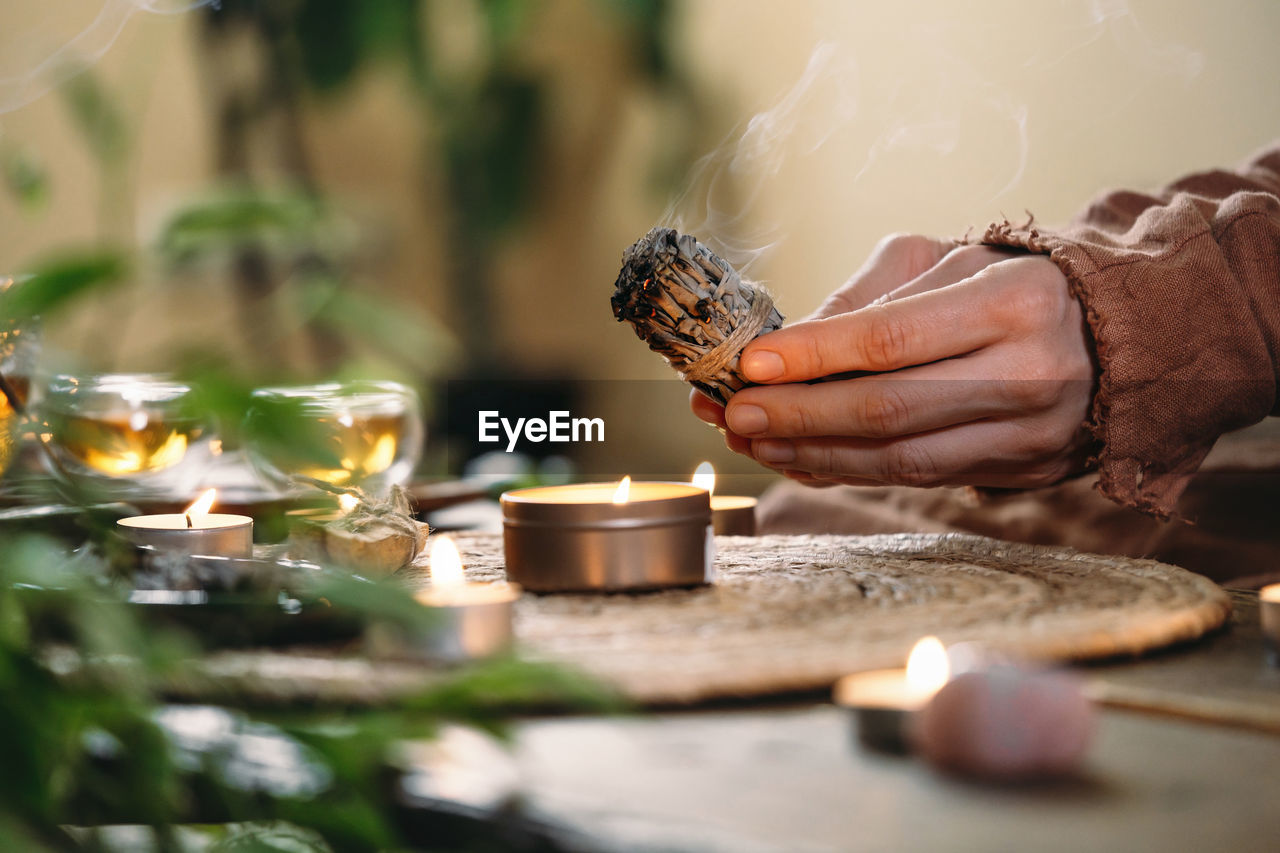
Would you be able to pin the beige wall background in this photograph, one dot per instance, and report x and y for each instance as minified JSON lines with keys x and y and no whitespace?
{"x":922,"y":116}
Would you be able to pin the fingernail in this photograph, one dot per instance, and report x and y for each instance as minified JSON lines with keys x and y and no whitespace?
{"x":775,"y":451}
{"x":762,"y":365}
{"x":747,"y":420}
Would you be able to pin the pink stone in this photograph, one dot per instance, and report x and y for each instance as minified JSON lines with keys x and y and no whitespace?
{"x":1006,"y":723}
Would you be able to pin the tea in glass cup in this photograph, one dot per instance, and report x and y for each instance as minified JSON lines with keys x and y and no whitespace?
{"x":19,"y":350}
{"x":127,"y":433}
{"x":363,"y":434}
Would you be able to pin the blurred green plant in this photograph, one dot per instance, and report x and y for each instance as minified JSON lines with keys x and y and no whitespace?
{"x":485,"y":115}
{"x":84,"y":740}
{"x":24,"y":177}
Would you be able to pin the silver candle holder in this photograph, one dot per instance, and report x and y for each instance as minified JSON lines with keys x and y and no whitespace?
{"x":608,"y":537}
{"x":1269,"y":613}
{"x":193,"y":531}
{"x":468,"y":621}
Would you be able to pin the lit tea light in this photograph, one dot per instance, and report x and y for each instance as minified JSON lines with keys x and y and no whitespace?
{"x":608,"y":537}
{"x":622,"y":494}
{"x":195,"y":530}
{"x":883,"y":700}
{"x":472,"y":620}
{"x":1269,"y":611}
{"x":731,"y":515}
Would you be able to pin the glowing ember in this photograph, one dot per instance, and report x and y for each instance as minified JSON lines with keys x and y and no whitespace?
{"x":928,"y":668}
{"x":346,"y":503}
{"x":623,"y":494}
{"x":704,"y":477}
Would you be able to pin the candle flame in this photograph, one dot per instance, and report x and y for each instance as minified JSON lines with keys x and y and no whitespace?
{"x":928,"y":668}
{"x":446,"y":565}
{"x":200,"y":506}
{"x":623,"y":494}
{"x":346,"y":503}
{"x":704,"y":477}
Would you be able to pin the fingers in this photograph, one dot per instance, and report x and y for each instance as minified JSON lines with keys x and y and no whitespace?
{"x":914,"y":400}
{"x":916,"y":330}
{"x":713,"y":413}
{"x":706,"y":409}
{"x":958,"y":265}
{"x":1013,"y":454}
{"x":896,"y":260}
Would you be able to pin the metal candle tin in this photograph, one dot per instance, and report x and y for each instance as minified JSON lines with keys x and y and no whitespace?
{"x":215,"y":534}
{"x":733,"y":516}
{"x":881,"y":708}
{"x":1269,"y":609}
{"x":575,"y":539}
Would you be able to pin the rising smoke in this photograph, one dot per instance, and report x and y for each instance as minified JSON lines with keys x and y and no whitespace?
{"x":55,"y":62}
{"x":940,"y":96}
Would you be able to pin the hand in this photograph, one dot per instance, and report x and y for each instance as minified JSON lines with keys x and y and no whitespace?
{"x":982,"y":375}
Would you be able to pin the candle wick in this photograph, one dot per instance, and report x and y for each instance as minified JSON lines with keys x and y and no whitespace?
{"x":187,"y":516}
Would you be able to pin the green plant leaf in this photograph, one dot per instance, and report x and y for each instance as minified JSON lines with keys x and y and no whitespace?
{"x":24,"y":177}
{"x":96,"y":115}
{"x":403,"y":332}
{"x":505,"y":18}
{"x":231,"y":219}
{"x":328,"y":33}
{"x":52,"y":283}
{"x":491,"y":148}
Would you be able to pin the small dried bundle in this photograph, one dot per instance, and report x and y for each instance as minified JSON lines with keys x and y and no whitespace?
{"x":375,"y":536}
{"x":692,"y":308}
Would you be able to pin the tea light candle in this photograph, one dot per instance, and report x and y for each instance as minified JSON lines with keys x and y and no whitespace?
{"x":608,"y":537}
{"x":1269,"y":609}
{"x":195,"y":530}
{"x":731,"y":515}
{"x":472,"y":620}
{"x":884,"y":700}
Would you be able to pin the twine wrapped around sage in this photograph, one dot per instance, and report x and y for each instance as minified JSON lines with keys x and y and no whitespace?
{"x":693,"y":308}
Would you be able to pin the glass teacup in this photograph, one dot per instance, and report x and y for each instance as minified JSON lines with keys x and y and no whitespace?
{"x":365,"y":434}
{"x":19,"y":351}
{"x":127,"y":433}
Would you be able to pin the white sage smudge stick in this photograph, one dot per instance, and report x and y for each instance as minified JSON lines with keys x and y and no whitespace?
{"x":692,"y":308}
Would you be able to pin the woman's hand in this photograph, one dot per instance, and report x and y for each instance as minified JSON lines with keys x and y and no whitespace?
{"x":981,"y":375}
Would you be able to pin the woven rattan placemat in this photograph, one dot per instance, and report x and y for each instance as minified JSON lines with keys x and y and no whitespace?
{"x":796,"y":612}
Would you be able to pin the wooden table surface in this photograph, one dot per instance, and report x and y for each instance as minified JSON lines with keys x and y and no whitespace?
{"x":789,"y":777}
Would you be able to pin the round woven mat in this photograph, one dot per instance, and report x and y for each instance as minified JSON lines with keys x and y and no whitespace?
{"x":797,"y":612}
{"x":786,"y":613}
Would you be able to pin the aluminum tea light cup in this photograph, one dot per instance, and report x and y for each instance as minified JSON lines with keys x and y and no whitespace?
{"x":469,"y":621}
{"x":608,"y":537}
{"x":884,"y":701}
{"x":194,"y":531}
{"x":731,"y":515}
{"x":1269,"y":612}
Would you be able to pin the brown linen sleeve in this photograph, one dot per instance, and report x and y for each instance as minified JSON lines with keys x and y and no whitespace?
{"x":1181,"y":292}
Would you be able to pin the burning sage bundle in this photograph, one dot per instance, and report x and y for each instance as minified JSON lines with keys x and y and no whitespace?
{"x":693,"y":308}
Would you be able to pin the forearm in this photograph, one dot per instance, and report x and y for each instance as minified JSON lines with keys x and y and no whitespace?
{"x":1181,"y":292}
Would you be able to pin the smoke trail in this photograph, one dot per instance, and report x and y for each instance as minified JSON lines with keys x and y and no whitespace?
{"x":725,"y":185}
{"x":1115,"y":19}
{"x":85,"y":48}
{"x":941,"y":101}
